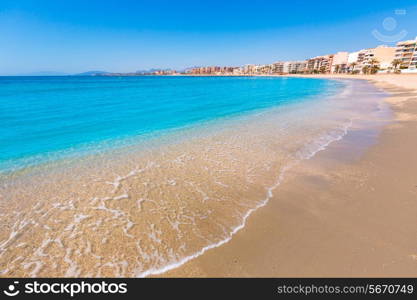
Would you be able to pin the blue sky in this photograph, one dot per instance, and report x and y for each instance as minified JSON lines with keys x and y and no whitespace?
{"x":123,"y":35}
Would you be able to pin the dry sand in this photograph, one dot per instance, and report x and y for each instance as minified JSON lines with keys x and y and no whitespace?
{"x":346,"y":212}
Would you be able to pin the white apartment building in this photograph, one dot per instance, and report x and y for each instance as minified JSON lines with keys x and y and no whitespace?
{"x":406,"y":51}
{"x":295,"y":66}
{"x":355,"y":60}
{"x":383,"y":54}
{"x":286,"y":67}
{"x":278,"y":67}
{"x":320,"y":63}
{"x":340,"y":62}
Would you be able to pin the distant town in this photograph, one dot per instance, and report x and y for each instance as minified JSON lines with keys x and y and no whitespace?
{"x":381,"y":59}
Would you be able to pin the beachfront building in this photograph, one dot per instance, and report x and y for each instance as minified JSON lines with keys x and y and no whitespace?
{"x":320,"y":64}
{"x":279,"y":67}
{"x":265,"y":69}
{"x":249,"y":69}
{"x":295,"y":67}
{"x":162,"y":72}
{"x":384,"y":55}
{"x":362,"y":60}
{"x":355,"y":60}
{"x":289,"y":67}
{"x":237,"y":71}
{"x":340,"y":63}
{"x":214,"y":70}
{"x":406,"y":51}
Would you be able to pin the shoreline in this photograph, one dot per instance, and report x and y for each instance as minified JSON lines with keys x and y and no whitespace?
{"x":337,"y":214}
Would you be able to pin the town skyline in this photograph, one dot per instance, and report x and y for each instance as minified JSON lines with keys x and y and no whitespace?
{"x":380,"y":59}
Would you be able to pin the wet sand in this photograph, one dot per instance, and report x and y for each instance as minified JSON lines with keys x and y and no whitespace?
{"x":349,"y":211}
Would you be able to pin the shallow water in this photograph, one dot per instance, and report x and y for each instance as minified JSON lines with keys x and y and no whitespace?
{"x":155,"y":203}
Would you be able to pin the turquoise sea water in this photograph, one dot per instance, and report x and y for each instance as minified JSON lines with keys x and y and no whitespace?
{"x":40,"y":116}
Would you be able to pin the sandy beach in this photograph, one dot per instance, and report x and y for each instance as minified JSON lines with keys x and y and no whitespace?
{"x":350,"y":211}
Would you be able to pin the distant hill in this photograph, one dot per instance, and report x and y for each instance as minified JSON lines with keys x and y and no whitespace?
{"x":92,"y":73}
